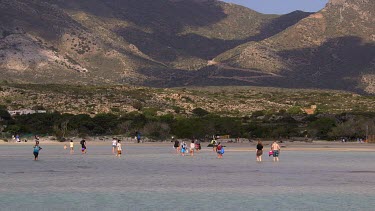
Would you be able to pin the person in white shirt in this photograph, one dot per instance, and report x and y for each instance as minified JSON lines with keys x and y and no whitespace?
{"x":114,"y":145}
{"x":192,"y":147}
{"x":71,"y":146}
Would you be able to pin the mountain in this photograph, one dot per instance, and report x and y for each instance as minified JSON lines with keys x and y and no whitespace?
{"x":169,"y":43}
{"x":333,"y":48}
{"x":147,"y":42}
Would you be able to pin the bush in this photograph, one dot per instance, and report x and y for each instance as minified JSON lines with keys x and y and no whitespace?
{"x":321,"y":127}
{"x":137,"y":105}
{"x":4,"y":114}
{"x":157,"y":130}
{"x":200,"y":112}
{"x":295,"y":110}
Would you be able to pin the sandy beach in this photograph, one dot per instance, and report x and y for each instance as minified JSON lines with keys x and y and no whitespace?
{"x":230,"y":147}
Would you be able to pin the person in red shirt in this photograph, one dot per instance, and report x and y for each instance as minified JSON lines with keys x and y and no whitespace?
{"x":220,"y":150}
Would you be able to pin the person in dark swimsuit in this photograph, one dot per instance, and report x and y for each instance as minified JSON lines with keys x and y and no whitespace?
{"x":176,"y":146}
{"x":83,"y":144}
{"x":259,"y":151}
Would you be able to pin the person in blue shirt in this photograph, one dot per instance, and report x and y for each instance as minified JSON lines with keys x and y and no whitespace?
{"x":37,"y":148}
{"x":138,"y":134}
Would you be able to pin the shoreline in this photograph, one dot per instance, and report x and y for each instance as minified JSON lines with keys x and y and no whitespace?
{"x":326,"y":146}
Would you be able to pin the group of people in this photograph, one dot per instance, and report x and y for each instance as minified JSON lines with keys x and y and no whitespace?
{"x":116,"y":147}
{"x":195,"y":146}
{"x":37,"y":148}
{"x":217,"y":147}
{"x":275,"y":151}
{"x":182,"y":148}
{"x":82,"y":143}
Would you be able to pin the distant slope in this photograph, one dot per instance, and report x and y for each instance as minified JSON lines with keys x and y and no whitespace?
{"x":334,"y":48}
{"x":117,"y":41}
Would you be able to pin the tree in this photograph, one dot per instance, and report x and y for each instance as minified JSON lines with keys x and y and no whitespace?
{"x":321,"y":127}
{"x":4,"y":115}
{"x":61,"y":129}
{"x":124,"y":127}
{"x":157,"y":130}
{"x":105,"y":123}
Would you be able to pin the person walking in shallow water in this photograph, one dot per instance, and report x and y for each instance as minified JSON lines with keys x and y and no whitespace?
{"x":275,"y":148}
{"x":259,"y":151}
{"x":83,"y":145}
{"x":37,"y":148}
{"x":183,"y":148}
{"x":71,"y":146}
{"x":114,"y":145}
{"x":192,"y":148}
{"x":219,"y":150}
{"x":119,"y":148}
{"x":176,"y":146}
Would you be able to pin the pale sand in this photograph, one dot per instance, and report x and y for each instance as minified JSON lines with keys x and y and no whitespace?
{"x":230,"y":147}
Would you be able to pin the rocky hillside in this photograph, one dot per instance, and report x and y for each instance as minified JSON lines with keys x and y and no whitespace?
{"x":333,"y":48}
{"x":226,"y":101}
{"x":169,"y":43}
{"x":116,"y":41}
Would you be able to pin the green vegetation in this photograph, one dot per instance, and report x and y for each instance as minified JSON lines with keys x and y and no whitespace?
{"x":259,"y":125}
{"x":159,"y":113}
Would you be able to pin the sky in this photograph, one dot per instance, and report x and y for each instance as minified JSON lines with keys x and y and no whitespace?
{"x":281,"y":6}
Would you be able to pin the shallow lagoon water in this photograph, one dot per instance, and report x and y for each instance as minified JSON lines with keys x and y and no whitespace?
{"x":154,"y":178}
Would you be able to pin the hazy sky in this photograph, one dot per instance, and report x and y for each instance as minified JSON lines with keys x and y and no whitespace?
{"x":281,"y":6}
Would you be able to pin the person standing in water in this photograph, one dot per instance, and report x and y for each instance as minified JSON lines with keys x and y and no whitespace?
{"x":192,"y":148}
{"x":71,"y":144}
{"x":176,"y":146}
{"x":275,"y":148}
{"x":83,"y":145}
{"x":119,"y":148}
{"x":259,"y":151}
{"x":183,"y":148}
{"x":220,"y":150}
{"x":197,"y":145}
{"x":37,"y":148}
{"x":114,"y":145}
{"x":214,"y":145}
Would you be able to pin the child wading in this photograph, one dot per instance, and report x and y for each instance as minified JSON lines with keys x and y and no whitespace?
{"x":220,"y":150}
{"x":71,"y":146}
{"x":192,"y":147}
{"x":37,"y":148}
{"x":197,"y":145}
{"x":119,"y":148}
{"x":183,"y":148}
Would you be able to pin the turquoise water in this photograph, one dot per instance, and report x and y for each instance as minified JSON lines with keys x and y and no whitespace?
{"x":154,"y":178}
